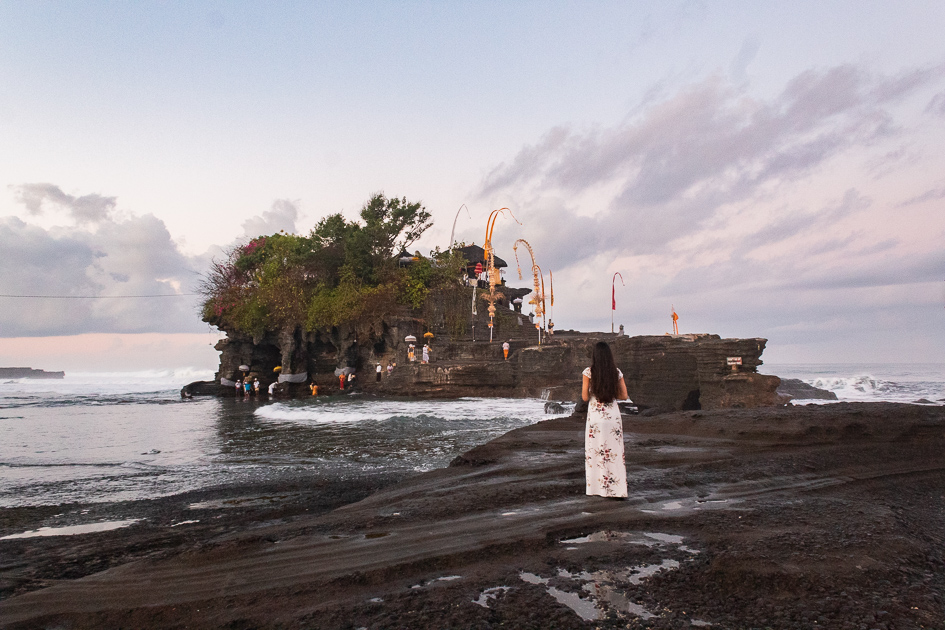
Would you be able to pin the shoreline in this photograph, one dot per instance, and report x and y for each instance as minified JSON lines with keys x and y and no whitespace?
{"x":827,"y":513}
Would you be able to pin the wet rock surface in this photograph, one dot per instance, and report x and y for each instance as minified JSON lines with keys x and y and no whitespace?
{"x":795,"y":517}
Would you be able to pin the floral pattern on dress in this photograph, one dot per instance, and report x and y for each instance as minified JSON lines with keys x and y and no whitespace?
{"x":608,"y":482}
{"x":604,"y":455}
{"x":605,"y":469}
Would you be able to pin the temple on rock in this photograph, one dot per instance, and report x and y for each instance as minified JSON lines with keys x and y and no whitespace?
{"x":350,"y":297}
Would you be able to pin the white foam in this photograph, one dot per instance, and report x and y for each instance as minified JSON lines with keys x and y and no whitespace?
{"x":869,"y":382}
{"x":666,"y":538}
{"x":105,"y":383}
{"x":331,"y":411}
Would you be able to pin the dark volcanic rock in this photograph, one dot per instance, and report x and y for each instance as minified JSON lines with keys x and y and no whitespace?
{"x":201,"y":388}
{"x":768,"y":524}
{"x":554,"y":407}
{"x":665,"y":372}
{"x":796,"y":388}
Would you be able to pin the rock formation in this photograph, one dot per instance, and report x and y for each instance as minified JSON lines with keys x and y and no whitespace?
{"x":666,"y":372}
{"x":25,"y":372}
{"x":794,"y":388}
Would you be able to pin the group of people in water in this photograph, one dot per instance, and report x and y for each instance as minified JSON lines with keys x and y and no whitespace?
{"x":247,"y":388}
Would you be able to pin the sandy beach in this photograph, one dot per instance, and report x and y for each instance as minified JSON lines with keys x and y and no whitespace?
{"x":794,"y":517}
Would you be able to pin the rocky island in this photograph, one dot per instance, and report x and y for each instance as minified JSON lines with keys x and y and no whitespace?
{"x":302,"y":310}
{"x":25,"y":372}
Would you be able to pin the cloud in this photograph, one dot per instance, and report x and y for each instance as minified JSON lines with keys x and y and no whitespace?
{"x":104,"y":254}
{"x":675,"y":165}
{"x":743,"y":59}
{"x":714,"y":195}
{"x":928,"y":195}
{"x":281,"y":216}
{"x":115,"y":257}
{"x":90,"y":208}
{"x":936,"y":106}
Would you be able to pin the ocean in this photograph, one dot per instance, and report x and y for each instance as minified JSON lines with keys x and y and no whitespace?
{"x":869,"y":382}
{"x":107,"y":437}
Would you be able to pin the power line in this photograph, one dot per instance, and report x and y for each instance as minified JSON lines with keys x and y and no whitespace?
{"x":99,"y":297}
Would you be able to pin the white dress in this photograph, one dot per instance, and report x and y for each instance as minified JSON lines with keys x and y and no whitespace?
{"x":604,"y":466}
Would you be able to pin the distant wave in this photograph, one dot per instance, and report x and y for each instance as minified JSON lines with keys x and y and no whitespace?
{"x":867,"y":388}
{"x":877,"y":382}
{"x":99,"y":388}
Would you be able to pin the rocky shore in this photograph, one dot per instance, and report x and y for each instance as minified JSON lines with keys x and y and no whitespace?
{"x":784,"y":517}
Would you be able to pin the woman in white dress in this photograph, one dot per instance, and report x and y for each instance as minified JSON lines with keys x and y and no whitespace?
{"x":604,"y":466}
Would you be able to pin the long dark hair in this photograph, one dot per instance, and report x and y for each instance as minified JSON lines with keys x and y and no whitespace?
{"x":604,"y":377}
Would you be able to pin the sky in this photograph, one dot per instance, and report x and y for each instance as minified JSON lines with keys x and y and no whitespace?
{"x":767,"y":169}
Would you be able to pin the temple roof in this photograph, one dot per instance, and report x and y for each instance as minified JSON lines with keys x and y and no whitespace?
{"x":475,"y":254}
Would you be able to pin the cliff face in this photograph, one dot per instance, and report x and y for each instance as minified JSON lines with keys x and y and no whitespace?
{"x":665,"y":372}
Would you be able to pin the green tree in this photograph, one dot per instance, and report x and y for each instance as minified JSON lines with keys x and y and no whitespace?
{"x":341,"y":273}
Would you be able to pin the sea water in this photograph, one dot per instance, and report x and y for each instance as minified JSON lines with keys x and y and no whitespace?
{"x":100,"y":437}
{"x":870,"y":382}
{"x":116,"y":437}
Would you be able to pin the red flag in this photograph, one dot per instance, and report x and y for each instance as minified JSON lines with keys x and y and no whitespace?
{"x":613,"y":297}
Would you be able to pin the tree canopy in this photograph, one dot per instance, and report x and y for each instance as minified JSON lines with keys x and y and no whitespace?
{"x":342,"y":272}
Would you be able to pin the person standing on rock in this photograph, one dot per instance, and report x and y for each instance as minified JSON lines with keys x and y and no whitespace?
{"x":378,"y":372}
{"x":604,"y":467}
{"x":505,"y":350}
{"x":426,"y":353}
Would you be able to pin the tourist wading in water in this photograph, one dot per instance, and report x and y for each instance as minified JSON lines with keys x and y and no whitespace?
{"x":604,"y":466}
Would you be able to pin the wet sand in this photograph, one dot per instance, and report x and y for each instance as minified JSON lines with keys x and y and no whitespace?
{"x":798,"y":517}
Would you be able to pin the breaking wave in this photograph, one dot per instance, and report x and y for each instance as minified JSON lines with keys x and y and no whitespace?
{"x":873,"y":383}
